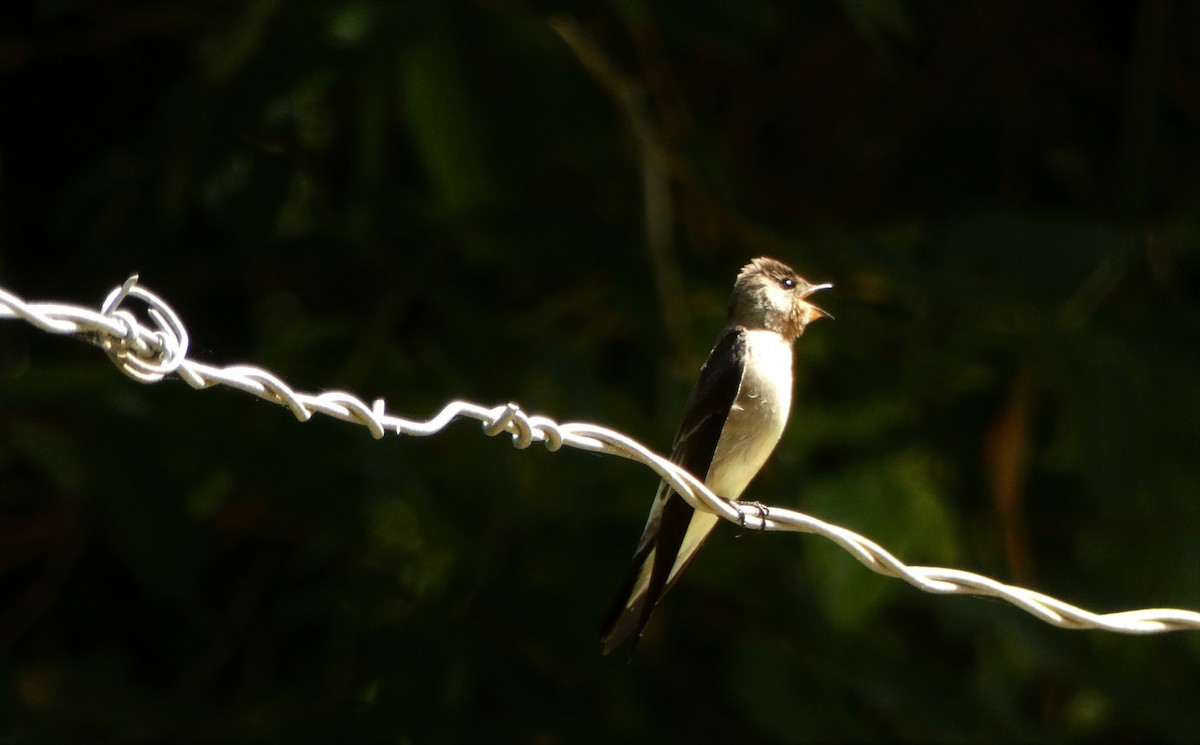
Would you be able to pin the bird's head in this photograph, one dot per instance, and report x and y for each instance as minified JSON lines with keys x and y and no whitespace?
{"x":770,"y":295}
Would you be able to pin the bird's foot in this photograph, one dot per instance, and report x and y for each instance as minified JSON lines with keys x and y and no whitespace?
{"x":759,"y":507}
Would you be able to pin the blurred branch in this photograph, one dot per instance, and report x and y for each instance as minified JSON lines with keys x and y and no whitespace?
{"x":1004,"y":455}
{"x":656,"y":186}
{"x":1142,"y":105}
{"x":150,"y":353}
{"x":1098,"y":285}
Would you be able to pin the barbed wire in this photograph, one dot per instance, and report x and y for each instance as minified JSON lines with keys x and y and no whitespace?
{"x":149,"y":353}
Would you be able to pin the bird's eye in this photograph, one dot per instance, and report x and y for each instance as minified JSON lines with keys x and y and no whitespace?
{"x":788,"y":283}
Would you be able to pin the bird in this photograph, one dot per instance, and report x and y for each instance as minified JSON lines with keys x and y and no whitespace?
{"x":732,"y":421}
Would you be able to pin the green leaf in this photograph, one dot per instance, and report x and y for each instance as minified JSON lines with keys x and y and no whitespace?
{"x":443,"y":122}
{"x":895,"y":503}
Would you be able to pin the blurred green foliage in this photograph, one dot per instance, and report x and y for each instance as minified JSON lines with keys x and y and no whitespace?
{"x":427,"y":200}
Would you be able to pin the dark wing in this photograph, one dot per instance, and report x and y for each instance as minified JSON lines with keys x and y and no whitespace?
{"x":703,"y":420}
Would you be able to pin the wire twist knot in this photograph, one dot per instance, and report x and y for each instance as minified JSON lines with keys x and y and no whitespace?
{"x":146,"y":355}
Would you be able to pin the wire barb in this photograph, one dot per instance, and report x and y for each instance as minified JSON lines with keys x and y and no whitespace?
{"x":149,"y":352}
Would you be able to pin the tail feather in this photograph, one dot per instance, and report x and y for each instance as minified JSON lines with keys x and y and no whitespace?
{"x":651,"y":575}
{"x":625,"y":616}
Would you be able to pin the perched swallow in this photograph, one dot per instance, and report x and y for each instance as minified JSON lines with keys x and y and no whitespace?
{"x":732,"y":422}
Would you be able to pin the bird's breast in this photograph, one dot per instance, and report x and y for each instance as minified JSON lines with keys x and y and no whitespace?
{"x":758,"y":415}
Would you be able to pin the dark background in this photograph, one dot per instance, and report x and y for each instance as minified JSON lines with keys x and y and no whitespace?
{"x":427,"y":201}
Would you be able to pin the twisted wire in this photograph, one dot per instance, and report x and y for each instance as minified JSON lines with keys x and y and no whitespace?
{"x":149,"y":352}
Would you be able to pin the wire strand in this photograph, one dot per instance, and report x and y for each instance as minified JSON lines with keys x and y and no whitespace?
{"x":149,"y":352}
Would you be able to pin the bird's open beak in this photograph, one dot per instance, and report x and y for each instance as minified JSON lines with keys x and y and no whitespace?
{"x":813,"y":311}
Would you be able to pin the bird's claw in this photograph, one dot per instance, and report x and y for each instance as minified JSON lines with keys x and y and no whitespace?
{"x":760,"y":508}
